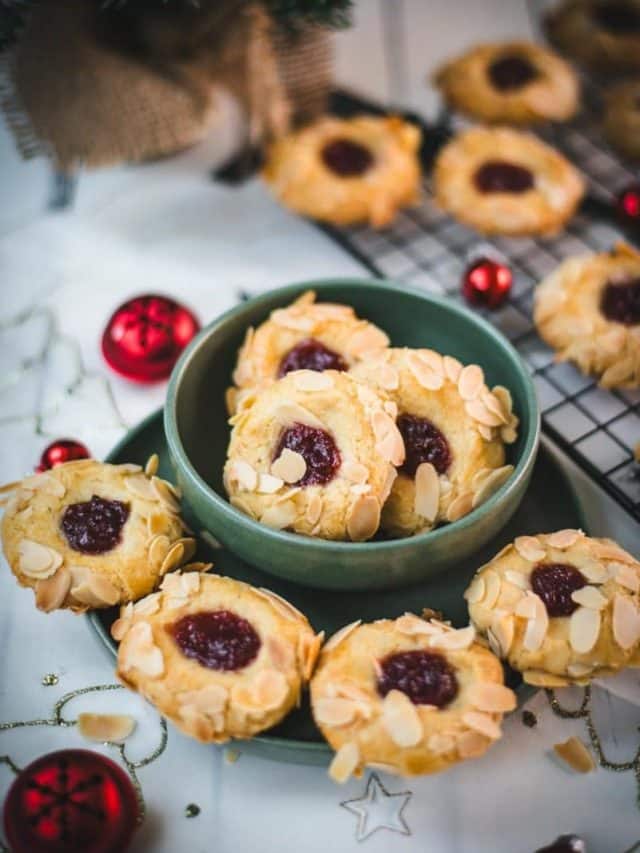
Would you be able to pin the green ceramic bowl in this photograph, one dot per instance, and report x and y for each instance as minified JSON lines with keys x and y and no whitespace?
{"x":197,"y":434}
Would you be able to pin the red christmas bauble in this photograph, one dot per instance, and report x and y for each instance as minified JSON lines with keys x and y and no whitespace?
{"x":61,"y":451}
{"x":145,"y":336}
{"x":628,"y":205}
{"x":487,"y":282}
{"x":74,"y":799}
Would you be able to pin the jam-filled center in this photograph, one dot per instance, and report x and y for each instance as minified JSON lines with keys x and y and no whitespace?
{"x":423,"y":442}
{"x":511,"y":72}
{"x":554,"y":583}
{"x":94,"y":526}
{"x":217,"y":639}
{"x":425,"y":677}
{"x":317,"y":448}
{"x":310,"y":355}
{"x":621,"y":302}
{"x":347,"y":158}
{"x":617,"y":18}
{"x":499,"y":176}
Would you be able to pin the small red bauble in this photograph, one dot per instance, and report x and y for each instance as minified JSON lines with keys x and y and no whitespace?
{"x":145,"y":337}
{"x":71,"y":800}
{"x":628,"y":205}
{"x":61,"y":451}
{"x":487,"y":282}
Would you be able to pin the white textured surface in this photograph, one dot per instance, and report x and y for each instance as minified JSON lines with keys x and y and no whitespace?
{"x":166,"y":227}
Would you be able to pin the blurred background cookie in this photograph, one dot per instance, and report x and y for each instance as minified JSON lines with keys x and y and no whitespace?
{"x":621,"y":122}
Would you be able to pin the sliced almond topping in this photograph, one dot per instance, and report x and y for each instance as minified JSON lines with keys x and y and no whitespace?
{"x":120,"y":627}
{"x":388,"y":483}
{"x":543,"y":679}
{"x":309,"y":646}
{"x":360,"y":488}
{"x":627,"y":576}
{"x":288,"y":413}
{"x":589,"y":596}
{"x":517,"y":579}
{"x":173,"y":559}
{"x":401,"y":719}
{"x":289,"y":466}
{"x":491,"y":484}
{"x":389,"y":443}
{"x":106,"y":728}
{"x":51,"y":592}
{"x":492,"y":585}
{"x":470,"y":382}
{"x":281,"y":605}
{"x":508,"y":434}
{"x":36,"y":560}
{"x":158,"y":548}
{"x":574,"y":753}
{"x":483,"y":723}
{"x":45,"y":482}
{"x":459,"y":507}
{"x":292,"y":319}
{"x":491,"y":697}
{"x":364,"y":518}
{"x":148,"y":605}
{"x":354,"y":472}
{"x":314,"y":508}
{"x":413,"y":625}
{"x":537,"y":626}
{"x":477,"y":410}
{"x":530,"y":548}
{"x":425,"y":376}
{"x":206,"y":700}
{"x":452,"y":368}
{"x":563,"y":538}
{"x":493,"y":404}
{"x":280,"y":516}
{"x":270,"y":689}
{"x":503,"y":395}
{"x":475,"y":591}
{"x":93,"y":589}
{"x":368,"y":338}
{"x":141,"y":487}
{"x":584,"y":628}
{"x":626,"y":621}
{"x":140,"y":652}
{"x":391,"y":408}
{"x":460,"y":639}
{"x":503,"y":630}
{"x":312,"y":380}
{"x":244,"y":474}
{"x":433,"y":359}
{"x":480,"y":476}
{"x":334,"y":641}
{"x":156,"y":523}
{"x":579,"y":670}
{"x":593,"y":570}
{"x":441,"y":742}
{"x":268,"y":484}
{"x":486,"y":432}
{"x":334,"y":712}
{"x":388,"y":377}
{"x":472,"y":744}
{"x":345,"y":762}
{"x":280,"y":652}
{"x":427,"y":491}
{"x":527,"y":607}
{"x":153,"y":463}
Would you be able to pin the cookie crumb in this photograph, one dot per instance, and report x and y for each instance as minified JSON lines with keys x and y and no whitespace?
{"x":574,"y":753}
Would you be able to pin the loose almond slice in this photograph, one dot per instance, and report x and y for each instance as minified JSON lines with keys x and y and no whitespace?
{"x":51,"y":592}
{"x":589,"y":596}
{"x":491,"y":697}
{"x":482,"y":723}
{"x":574,"y":753}
{"x":584,"y":628}
{"x":345,"y":762}
{"x":289,"y":466}
{"x":427,"y":491}
{"x":530,"y":548}
{"x":626,"y":621}
{"x":312,"y":380}
{"x":334,"y":711}
{"x":106,"y":728}
{"x":334,"y":641}
{"x":475,"y":591}
{"x":470,"y":382}
{"x":401,"y":719}
{"x":563,"y":538}
{"x":460,"y":639}
{"x":364,"y":518}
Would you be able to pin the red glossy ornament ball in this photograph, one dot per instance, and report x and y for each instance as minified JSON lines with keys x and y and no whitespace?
{"x":628,"y":205}
{"x":61,"y":451}
{"x":487,"y":282}
{"x":71,"y":800}
{"x":145,"y":337}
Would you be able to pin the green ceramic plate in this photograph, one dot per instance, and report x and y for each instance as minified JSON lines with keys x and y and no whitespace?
{"x":550,"y":504}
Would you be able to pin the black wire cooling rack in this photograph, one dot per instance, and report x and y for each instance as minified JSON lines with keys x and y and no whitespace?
{"x":597,"y":428}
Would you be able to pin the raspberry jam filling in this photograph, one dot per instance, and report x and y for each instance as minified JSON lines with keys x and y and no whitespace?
{"x":423,"y":442}
{"x":94,"y":526}
{"x":317,"y":448}
{"x":425,"y":677}
{"x":617,"y":17}
{"x":498,"y":176}
{"x":218,"y":640}
{"x":621,"y":302}
{"x":554,"y":583}
{"x":346,"y":158}
{"x":511,"y":72}
{"x":310,"y":355}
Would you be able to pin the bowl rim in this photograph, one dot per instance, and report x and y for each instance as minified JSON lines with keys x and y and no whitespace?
{"x":228,"y":512}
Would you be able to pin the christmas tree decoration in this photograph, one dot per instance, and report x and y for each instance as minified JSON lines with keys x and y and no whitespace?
{"x":73,"y":799}
{"x":61,"y":451}
{"x":628,"y":206}
{"x":145,"y":336}
{"x":487,"y":282}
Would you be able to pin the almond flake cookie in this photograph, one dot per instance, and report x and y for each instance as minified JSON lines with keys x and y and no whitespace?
{"x":601,"y":34}
{"x":314,"y":453}
{"x":560,"y":607}
{"x":621,"y":121}
{"x":454,"y":430}
{"x":218,"y":657}
{"x":588,"y":310}
{"x":408,"y":696}
{"x":306,"y":335}
{"x":344,"y":171}
{"x":515,"y":82}
{"x":503,"y":181}
{"x":86,"y":535}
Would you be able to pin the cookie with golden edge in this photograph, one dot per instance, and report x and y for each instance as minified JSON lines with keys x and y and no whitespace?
{"x":503,"y":181}
{"x":314,"y":453}
{"x":511,"y":82}
{"x":306,"y":335}
{"x":454,"y":430}
{"x":621,"y":120}
{"x":86,"y":534}
{"x":407,"y":696}
{"x":219,"y":658}
{"x":599,"y":34}
{"x":346,"y":171}
{"x":588,"y":310}
{"x":560,"y":607}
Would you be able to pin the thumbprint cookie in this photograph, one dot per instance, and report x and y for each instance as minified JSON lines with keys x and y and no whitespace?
{"x":515,"y":82}
{"x":219,"y":658}
{"x":503,"y":181}
{"x":306,"y":335}
{"x":87,"y":535}
{"x":588,"y":310}
{"x":346,"y":171}
{"x":560,"y":607}
{"x":454,"y":430}
{"x":621,"y":121}
{"x":314,"y":453}
{"x":409,"y":696}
